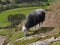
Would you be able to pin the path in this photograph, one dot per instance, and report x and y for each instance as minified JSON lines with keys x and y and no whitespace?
{"x":2,"y":39}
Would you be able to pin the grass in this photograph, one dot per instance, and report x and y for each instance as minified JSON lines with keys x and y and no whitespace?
{"x":57,"y":43}
{"x":26,"y":42}
{"x":3,"y":32}
{"x":52,"y":1}
{"x":15,"y":35}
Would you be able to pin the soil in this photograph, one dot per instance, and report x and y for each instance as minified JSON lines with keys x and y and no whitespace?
{"x":2,"y":39}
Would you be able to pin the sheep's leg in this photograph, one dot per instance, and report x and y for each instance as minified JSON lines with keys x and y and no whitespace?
{"x":34,"y":27}
{"x":26,"y":32}
{"x":40,"y":25}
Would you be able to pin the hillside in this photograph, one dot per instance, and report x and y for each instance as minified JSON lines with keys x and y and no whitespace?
{"x":53,"y":15}
{"x":49,"y":28}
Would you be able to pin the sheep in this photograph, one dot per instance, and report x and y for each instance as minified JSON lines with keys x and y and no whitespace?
{"x":35,"y":17}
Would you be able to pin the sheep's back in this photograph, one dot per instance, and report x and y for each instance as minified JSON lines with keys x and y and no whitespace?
{"x":35,"y":18}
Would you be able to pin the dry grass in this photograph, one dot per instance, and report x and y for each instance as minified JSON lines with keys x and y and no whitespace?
{"x":53,"y":15}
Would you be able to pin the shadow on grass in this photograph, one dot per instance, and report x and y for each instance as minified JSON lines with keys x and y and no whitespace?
{"x":42,"y":30}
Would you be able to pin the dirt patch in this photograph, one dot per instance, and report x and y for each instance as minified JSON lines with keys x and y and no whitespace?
{"x":53,"y":15}
{"x":2,"y":39}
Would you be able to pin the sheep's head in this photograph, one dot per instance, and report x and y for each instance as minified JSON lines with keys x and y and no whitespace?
{"x":25,"y":30}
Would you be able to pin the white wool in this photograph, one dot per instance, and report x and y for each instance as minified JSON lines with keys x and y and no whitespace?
{"x":23,"y":28}
{"x":38,"y":11}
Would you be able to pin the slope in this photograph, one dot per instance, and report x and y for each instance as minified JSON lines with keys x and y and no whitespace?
{"x":53,"y":15}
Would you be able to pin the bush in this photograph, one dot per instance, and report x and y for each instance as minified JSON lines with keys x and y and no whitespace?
{"x":17,"y":18}
{"x":12,"y":6}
